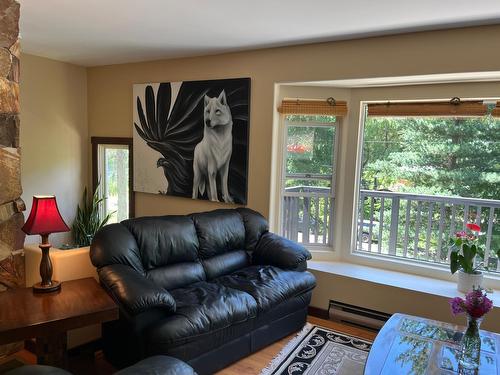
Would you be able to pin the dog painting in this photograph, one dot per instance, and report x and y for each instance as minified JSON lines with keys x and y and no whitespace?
{"x":191,"y":139}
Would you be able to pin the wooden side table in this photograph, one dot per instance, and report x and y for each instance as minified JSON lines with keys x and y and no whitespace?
{"x":48,"y":317}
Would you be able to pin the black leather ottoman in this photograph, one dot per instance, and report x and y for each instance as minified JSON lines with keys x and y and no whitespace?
{"x":156,"y":365}
{"x":37,"y":370}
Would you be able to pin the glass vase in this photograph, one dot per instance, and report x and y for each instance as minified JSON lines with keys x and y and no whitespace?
{"x":471,"y":345}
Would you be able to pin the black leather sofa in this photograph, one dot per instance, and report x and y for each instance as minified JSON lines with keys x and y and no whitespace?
{"x":207,"y":288}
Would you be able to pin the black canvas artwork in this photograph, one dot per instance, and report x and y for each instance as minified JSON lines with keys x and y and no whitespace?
{"x":191,"y":139}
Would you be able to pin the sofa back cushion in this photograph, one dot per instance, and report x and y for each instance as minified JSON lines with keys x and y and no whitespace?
{"x":255,"y":226}
{"x":175,"y":251}
{"x":226,"y":263}
{"x":177,"y":275}
{"x":218,"y":232}
{"x":164,"y":240}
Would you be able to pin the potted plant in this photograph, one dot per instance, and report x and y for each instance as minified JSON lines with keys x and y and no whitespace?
{"x":476,"y":304}
{"x":467,"y":257}
{"x":88,"y":218}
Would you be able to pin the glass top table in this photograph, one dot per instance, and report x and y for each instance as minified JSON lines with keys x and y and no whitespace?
{"x":417,"y":346}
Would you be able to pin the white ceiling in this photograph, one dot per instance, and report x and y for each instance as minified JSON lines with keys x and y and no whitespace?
{"x":99,"y":32}
{"x":427,"y":79}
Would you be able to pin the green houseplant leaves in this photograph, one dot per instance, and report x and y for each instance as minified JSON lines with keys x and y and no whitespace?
{"x":88,"y":218}
{"x":466,"y":253}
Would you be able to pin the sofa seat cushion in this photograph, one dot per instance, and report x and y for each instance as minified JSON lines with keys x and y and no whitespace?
{"x":202,"y":308}
{"x":269,"y":285}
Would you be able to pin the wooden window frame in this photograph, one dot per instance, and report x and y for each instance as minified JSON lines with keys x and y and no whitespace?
{"x":96,"y":141}
{"x":283,"y":175}
{"x":422,"y":109}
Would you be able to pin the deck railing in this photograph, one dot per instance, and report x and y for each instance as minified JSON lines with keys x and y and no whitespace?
{"x":402,"y":225}
{"x":306,"y":215}
{"x":418,"y":227}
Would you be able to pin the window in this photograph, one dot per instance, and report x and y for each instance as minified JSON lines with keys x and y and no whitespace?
{"x":307,"y":186}
{"x":112,"y":172}
{"x":425,"y":173}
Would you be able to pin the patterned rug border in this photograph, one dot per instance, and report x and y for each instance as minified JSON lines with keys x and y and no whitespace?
{"x":292,"y":345}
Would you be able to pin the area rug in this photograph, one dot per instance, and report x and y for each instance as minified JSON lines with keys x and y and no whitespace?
{"x":319,"y":350}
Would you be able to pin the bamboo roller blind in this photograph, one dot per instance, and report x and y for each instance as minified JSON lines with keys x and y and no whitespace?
{"x":432,"y":109}
{"x":313,"y":107}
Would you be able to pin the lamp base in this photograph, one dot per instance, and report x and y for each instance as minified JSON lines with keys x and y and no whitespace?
{"x":39,"y":288}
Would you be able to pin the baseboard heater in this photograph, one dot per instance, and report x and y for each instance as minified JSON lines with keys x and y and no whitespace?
{"x":359,"y":316}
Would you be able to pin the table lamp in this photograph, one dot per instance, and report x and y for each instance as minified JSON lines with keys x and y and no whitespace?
{"x":45,"y":219}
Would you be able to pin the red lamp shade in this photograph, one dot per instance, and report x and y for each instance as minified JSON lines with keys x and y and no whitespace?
{"x":44,"y":217}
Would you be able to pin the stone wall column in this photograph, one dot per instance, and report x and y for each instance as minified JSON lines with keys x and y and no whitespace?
{"x":11,"y":205}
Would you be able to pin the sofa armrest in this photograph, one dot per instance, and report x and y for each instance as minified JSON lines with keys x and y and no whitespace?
{"x":133,"y":291}
{"x":280,"y":252}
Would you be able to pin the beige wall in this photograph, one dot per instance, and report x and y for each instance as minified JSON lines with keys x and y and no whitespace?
{"x":110,"y":87}
{"x":389,"y":299}
{"x":451,"y":51}
{"x":54,"y":134}
{"x":55,"y":138}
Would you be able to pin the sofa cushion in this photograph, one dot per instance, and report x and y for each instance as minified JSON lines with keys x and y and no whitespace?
{"x":177,"y":275}
{"x":164,"y":240}
{"x":201,"y":308}
{"x":219,"y":231}
{"x":224,"y":264}
{"x":268,"y":285}
{"x":255,"y":226}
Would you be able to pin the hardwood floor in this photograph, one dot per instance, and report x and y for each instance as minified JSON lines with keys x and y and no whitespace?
{"x":254,"y":363}
{"x":95,"y":364}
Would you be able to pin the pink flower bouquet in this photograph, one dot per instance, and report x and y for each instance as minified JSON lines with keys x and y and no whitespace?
{"x":476,"y":304}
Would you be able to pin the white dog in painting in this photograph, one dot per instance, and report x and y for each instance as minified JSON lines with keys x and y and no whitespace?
{"x":213,"y":153}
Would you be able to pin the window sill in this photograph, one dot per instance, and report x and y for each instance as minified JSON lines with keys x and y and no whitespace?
{"x":422,"y":284}
{"x":417,"y":268}
{"x":323,"y":254}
